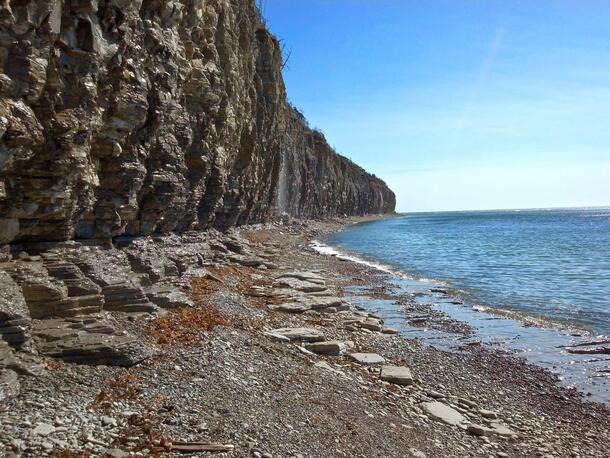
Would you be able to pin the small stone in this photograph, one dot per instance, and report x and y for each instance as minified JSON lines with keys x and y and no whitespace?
{"x":467,"y":402}
{"x":108,"y":421}
{"x":43,"y":429}
{"x":477,"y":430}
{"x":116,"y":453}
{"x":488,"y":414}
{"x":501,"y":430}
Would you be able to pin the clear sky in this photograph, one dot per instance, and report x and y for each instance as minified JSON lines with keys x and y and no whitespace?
{"x":459,"y":104}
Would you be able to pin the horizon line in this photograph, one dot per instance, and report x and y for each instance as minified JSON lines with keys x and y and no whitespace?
{"x":592,"y":207}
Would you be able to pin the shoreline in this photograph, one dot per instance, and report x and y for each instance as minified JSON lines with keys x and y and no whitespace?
{"x":224,"y":373}
{"x":527,"y":319}
{"x":564,"y":358}
{"x":522,"y":317}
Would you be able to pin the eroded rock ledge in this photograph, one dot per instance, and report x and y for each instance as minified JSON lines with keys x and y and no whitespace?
{"x":152,"y":116}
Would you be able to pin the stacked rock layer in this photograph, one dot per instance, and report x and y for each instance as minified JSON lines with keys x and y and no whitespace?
{"x":152,"y":116}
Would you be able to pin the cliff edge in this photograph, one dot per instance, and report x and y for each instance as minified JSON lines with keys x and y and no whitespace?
{"x":151,"y":116}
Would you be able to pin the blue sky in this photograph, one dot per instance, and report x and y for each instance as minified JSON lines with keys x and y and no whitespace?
{"x":458,"y":104}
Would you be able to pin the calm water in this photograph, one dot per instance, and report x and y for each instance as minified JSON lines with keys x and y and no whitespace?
{"x":550,"y":263}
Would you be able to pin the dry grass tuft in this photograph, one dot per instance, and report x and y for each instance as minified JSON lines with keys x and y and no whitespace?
{"x":68,"y":454}
{"x":124,"y":387}
{"x":186,"y":326}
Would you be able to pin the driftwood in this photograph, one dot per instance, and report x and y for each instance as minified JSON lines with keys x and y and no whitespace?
{"x":188,"y":447}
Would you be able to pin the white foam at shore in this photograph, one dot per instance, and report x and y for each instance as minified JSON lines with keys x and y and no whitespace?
{"x":330,"y":251}
{"x":518,"y":316}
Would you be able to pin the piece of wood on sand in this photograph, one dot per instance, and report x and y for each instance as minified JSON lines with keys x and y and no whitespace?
{"x":189,"y":447}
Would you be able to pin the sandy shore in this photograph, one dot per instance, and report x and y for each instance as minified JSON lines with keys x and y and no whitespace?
{"x":241,"y":371}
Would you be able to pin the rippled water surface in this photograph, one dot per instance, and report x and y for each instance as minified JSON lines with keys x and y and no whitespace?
{"x":550,"y":263}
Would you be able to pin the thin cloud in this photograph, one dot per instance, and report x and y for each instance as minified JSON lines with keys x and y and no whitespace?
{"x":482,"y":77}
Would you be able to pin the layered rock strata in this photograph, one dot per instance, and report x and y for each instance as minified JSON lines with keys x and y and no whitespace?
{"x":152,"y":116}
{"x":72,"y":300}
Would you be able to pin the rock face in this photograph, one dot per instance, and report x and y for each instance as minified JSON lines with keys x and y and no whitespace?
{"x":152,"y":116}
{"x":15,"y":326}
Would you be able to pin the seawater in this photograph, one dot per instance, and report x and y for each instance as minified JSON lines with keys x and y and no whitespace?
{"x":551,"y":264}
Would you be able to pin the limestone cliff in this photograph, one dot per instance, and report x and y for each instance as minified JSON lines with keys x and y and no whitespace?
{"x":151,"y":116}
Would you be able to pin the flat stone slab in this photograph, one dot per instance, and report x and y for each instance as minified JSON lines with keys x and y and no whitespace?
{"x":246,"y":261}
{"x":331,"y":347}
{"x":322,"y":302}
{"x":366,"y":359}
{"x":442,"y":412}
{"x":305,"y":276}
{"x":88,"y":341}
{"x":300,"y":334}
{"x":301,"y":285}
{"x":291,"y":307}
{"x":495,"y":428}
{"x":501,"y":430}
{"x":371,"y":325}
{"x":304,"y":303}
{"x":277,"y":337}
{"x":170,"y":299}
{"x":396,"y":374}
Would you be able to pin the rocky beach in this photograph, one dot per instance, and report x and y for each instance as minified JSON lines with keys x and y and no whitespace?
{"x":160,"y":290}
{"x":243,"y":344}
